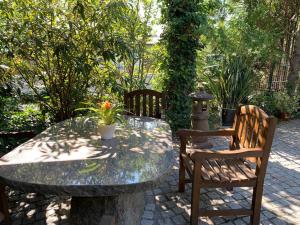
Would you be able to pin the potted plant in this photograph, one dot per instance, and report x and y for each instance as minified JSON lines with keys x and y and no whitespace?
{"x":107,"y":115}
{"x":231,"y":82}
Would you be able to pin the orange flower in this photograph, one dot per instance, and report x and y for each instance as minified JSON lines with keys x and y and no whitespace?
{"x":107,"y":105}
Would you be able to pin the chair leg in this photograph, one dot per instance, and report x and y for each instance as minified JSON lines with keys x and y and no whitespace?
{"x":195,"y":194}
{"x":181,"y":185}
{"x":4,"y":205}
{"x":256,"y":204}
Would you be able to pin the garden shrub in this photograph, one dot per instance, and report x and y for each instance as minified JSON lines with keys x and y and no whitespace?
{"x":15,"y":116}
{"x":276,"y":102}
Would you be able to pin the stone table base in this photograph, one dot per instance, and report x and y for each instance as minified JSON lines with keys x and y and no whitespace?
{"x":127,"y":209}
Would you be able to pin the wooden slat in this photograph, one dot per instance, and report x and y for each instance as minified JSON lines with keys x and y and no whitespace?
{"x":150,"y":105}
{"x":248,"y":174}
{"x":243,"y":134}
{"x":218,"y":171}
{"x":210,"y":172}
{"x":235,"y":169}
{"x":131,"y":108}
{"x":163,"y":103}
{"x":144,"y":104}
{"x":250,"y":120}
{"x":195,"y":203}
{"x":200,"y":133}
{"x":226,"y":170}
{"x":137,"y":105}
{"x":226,"y":212}
{"x":255,"y":133}
{"x":157,"y":112}
{"x":188,"y":164}
{"x":230,"y":184}
{"x":245,"y":169}
{"x":263,"y":130}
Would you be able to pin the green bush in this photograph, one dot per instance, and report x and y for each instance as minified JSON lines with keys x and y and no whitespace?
{"x":285,"y":103}
{"x":15,"y":116}
{"x":266,"y":101}
{"x":276,"y":102}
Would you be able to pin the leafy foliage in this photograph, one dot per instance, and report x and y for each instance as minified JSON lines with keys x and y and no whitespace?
{"x":241,"y":45}
{"x":266,"y":101}
{"x":182,"y":19}
{"x":231,"y":81}
{"x":107,"y":112}
{"x":275,"y":103}
{"x":58,"y":45}
{"x":15,"y":116}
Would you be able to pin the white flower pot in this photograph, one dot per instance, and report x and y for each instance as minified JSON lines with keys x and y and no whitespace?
{"x":107,"y":131}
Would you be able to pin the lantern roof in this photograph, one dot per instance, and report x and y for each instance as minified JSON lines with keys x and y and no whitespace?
{"x":201,"y":95}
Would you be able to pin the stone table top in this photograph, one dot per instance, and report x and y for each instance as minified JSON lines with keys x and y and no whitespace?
{"x":70,"y":158}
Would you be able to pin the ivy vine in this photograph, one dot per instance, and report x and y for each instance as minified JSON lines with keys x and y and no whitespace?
{"x":182,"y":19}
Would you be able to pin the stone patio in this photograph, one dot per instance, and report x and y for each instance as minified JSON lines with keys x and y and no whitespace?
{"x":165,"y":206}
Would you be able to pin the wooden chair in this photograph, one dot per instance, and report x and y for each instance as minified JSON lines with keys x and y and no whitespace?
{"x":4,"y":209}
{"x":251,"y":140}
{"x":145,"y":103}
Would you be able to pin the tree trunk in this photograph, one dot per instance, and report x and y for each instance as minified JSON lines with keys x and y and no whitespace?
{"x":293,"y":77}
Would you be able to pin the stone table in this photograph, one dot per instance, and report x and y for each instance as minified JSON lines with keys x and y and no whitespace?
{"x":102,"y":176}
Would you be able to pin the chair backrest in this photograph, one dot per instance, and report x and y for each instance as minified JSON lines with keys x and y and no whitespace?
{"x":144,"y":103}
{"x":253,"y":129}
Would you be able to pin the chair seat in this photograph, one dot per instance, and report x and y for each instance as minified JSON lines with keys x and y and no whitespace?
{"x":220,"y":172}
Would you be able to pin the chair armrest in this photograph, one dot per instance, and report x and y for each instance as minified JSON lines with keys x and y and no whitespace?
{"x":184,"y":133}
{"x":199,"y":154}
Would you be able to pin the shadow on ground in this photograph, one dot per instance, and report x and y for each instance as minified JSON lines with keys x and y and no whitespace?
{"x":165,"y":206}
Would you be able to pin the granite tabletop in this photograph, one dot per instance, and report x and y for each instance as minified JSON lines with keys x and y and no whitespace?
{"x":70,"y":158}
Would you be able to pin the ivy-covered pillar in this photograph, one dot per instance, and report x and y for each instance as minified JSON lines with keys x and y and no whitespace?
{"x":182,"y":20}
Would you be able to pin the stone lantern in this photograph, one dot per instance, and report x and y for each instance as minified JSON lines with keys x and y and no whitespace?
{"x":200,"y":117}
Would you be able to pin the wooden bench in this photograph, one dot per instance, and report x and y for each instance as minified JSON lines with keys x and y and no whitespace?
{"x":251,"y":141}
{"x":145,"y":103}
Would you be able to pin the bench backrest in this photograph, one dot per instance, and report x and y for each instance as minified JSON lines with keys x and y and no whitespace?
{"x":253,"y":129}
{"x":145,"y":103}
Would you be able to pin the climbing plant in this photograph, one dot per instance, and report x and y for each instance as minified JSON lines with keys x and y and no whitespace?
{"x":182,"y":19}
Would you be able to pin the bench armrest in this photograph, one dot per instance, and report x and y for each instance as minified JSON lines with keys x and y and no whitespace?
{"x":199,"y":154}
{"x":184,"y":133}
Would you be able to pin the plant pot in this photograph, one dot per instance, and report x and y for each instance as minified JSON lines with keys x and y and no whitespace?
{"x":284,"y":116}
{"x":107,"y":131}
{"x":228,"y":117}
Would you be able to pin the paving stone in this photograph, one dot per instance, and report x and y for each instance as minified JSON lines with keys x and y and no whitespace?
{"x":278,"y":221}
{"x":239,"y":222}
{"x":179,"y":220}
{"x":150,"y":207}
{"x":165,"y":206}
{"x":147,"y":222}
{"x":148,"y":215}
{"x":167,"y":213}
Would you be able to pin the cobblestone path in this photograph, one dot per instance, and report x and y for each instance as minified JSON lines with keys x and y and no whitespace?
{"x":165,"y":206}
